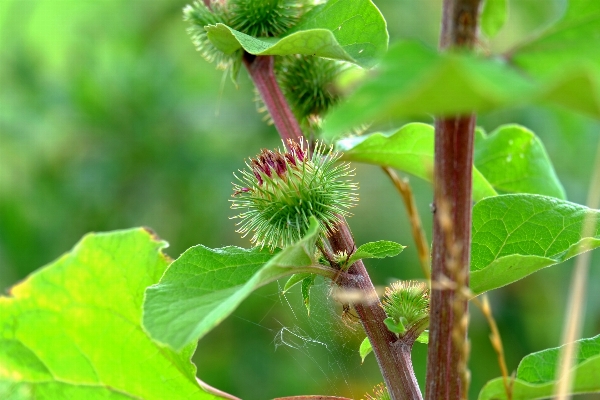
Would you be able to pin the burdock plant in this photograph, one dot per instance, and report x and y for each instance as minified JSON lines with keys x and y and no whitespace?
{"x":297,"y":200}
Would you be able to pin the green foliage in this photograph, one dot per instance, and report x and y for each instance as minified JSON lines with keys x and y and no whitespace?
{"x":158,"y":171}
{"x":408,"y":82}
{"x":307,"y":280}
{"x":537,"y":373}
{"x":347,"y":30}
{"x":511,"y":159}
{"x":562,"y":66}
{"x":516,"y":235}
{"x":204,"y":286}
{"x":73,"y":329}
{"x":379,"y":249}
{"x":294,"y":280}
{"x":567,"y":56}
{"x":307,"y":283}
{"x":365,"y":349}
{"x":572,"y":41}
{"x":493,"y":16}
{"x":514,"y":160}
{"x":357,"y":25}
{"x":410,"y":149}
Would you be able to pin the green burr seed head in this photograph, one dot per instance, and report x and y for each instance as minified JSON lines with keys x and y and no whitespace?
{"x":308,"y":84}
{"x":406,"y":302}
{"x":199,"y":16}
{"x":280,"y":191}
{"x":265,"y":18}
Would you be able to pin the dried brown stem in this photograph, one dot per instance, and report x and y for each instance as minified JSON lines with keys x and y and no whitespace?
{"x":215,"y":391}
{"x":496,"y":340}
{"x":417,"y":230}
{"x":576,"y":304}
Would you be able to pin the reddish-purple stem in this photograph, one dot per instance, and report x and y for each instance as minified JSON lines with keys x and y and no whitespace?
{"x":263,"y":76}
{"x":446,"y":374}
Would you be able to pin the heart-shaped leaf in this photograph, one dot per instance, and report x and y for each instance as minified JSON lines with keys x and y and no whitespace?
{"x":73,"y":328}
{"x":516,"y":235}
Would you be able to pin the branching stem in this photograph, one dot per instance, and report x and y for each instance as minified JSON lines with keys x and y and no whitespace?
{"x":393,"y":354}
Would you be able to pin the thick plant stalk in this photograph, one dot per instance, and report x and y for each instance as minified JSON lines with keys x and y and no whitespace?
{"x":393,"y":354}
{"x":263,"y":76}
{"x":447,"y":375}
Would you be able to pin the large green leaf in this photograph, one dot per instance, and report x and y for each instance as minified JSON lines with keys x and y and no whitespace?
{"x":203,"y":286}
{"x":415,"y":80}
{"x":348,"y":30}
{"x":574,"y":39}
{"x":514,"y":160}
{"x":536,"y":375}
{"x":73,"y":328}
{"x":567,"y":56}
{"x":410,"y":149}
{"x":518,"y":234}
{"x":562,"y":66}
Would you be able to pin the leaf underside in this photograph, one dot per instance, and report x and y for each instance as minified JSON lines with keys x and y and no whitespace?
{"x":347,"y":30}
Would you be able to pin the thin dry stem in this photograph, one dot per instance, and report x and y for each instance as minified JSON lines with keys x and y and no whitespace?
{"x":496,"y":340}
{"x":576,"y":305}
{"x":417,"y":230}
{"x":215,"y":391}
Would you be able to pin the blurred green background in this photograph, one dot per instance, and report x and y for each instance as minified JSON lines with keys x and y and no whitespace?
{"x":110,"y":119}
